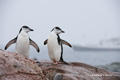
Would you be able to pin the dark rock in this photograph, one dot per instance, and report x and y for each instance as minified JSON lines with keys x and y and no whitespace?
{"x":115,"y":67}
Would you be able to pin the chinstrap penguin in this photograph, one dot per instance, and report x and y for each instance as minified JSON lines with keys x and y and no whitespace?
{"x":23,"y":42}
{"x":54,"y":44}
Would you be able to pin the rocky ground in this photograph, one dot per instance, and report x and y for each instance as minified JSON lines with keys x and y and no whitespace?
{"x":17,"y":67}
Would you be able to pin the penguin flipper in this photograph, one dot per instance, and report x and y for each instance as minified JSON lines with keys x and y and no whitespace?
{"x":66,"y":43}
{"x":11,"y":42}
{"x":45,"y":42}
{"x":34,"y":45}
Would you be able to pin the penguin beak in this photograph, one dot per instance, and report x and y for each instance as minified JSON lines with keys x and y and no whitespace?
{"x":31,"y":29}
{"x":62,"y":31}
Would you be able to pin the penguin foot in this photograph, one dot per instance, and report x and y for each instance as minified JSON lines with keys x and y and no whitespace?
{"x":55,"y":62}
{"x":63,"y":62}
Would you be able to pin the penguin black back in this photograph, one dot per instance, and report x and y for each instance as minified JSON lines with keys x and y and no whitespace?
{"x":60,"y":43}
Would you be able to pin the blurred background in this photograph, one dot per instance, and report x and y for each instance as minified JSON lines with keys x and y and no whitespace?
{"x":92,"y":27}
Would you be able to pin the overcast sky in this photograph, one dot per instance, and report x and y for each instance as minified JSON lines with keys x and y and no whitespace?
{"x":84,"y":21}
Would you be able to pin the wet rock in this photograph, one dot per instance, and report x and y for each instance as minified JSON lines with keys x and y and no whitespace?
{"x":17,"y":67}
{"x":115,"y":67}
{"x":76,"y":71}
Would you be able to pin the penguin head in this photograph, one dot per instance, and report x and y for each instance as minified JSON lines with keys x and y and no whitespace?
{"x":26,"y":29}
{"x":57,"y":30}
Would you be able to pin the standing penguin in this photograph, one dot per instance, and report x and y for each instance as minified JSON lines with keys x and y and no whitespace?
{"x":23,"y":42}
{"x":54,"y":44}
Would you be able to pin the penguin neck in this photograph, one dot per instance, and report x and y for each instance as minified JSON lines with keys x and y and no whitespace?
{"x":53,"y":33}
{"x":23,"y":33}
{"x":55,"y":36}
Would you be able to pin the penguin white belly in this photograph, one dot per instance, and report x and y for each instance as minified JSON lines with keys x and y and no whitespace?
{"x":54,"y":49}
{"x":22,"y":45}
